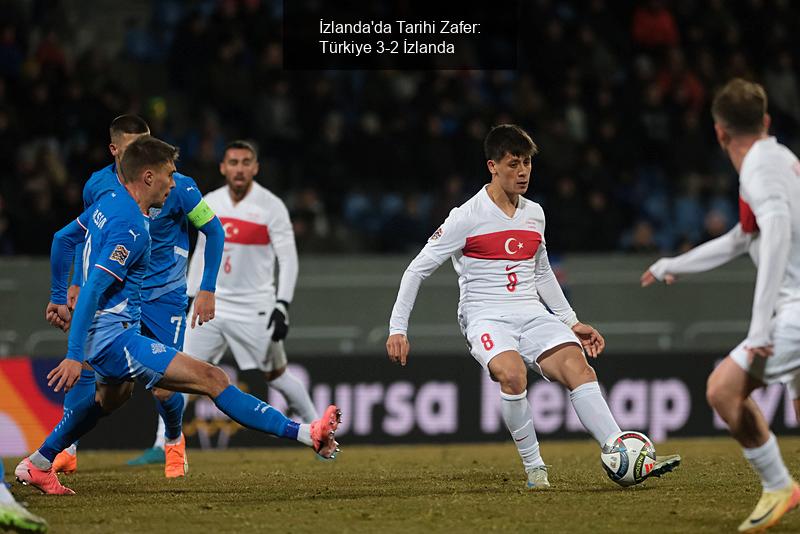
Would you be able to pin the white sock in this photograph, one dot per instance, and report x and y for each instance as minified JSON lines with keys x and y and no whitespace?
{"x":519,"y":421}
{"x":296,"y":396}
{"x":304,"y":435}
{"x":593,"y":411}
{"x":72,"y":449}
{"x":766,"y":460}
{"x":160,"y":438}
{"x":40,"y":461}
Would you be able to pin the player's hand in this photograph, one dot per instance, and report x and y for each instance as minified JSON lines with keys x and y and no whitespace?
{"x":204,"y":306}
{"x":648,"y":278}
{"x":759,"y":352}
{"x":397,"y":347}
{"x":65,"y":375}
{"x":280,"y":320}
{"x":591,"y":340}
{"x":72,"y":296}
{"x":58,"y":315}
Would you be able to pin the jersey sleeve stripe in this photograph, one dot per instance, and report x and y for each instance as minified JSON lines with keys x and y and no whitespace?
{"x":108,"y":271}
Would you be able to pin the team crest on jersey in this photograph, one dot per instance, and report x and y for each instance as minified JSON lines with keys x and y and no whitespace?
{"x":530,"y":223}
{"x":436,"y":235}
{"x":158,"y":348}
{"x":120,"y":254}
{"x":154,"y":212}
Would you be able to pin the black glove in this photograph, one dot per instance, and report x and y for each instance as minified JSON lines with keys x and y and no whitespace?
{"x":279,"y":318}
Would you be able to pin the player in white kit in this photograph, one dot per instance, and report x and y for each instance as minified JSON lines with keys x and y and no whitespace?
{"x":739,"y":240}
{"x":769,"y":186}
{"x":251,"y":318}
{"x":497,"y":245}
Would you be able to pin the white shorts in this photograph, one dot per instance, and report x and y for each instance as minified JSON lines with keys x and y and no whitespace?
{"x":784,"y":364}
{"x":250,"y":342}
{"x":489,"y":334}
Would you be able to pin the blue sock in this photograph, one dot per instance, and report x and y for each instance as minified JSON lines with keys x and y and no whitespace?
{"x":171,"y":410}
{"x":76,"y":422}
{"x":84,"y":387}
{"x":256,"y":414}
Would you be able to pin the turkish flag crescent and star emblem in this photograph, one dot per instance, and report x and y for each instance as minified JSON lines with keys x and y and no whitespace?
{"x":506,"y":245}
{"x":244,"y":232}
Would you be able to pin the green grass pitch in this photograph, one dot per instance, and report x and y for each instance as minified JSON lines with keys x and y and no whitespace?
{"x":431,"y":488}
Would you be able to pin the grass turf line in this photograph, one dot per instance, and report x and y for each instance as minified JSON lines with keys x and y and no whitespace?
{"x":431,"y":488}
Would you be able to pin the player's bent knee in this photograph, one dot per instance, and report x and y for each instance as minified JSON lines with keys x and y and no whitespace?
{"x":215,"y":380}
{"x":513,"y":382}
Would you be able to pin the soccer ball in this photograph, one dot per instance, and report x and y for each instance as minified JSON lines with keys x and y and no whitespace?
{"x":628,"y":457}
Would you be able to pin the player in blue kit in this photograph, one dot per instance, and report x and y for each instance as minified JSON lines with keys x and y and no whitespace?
{"x":164,"y":299}
{"x":105,"y":324}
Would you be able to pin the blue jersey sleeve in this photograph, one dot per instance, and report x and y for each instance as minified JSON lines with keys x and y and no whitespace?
{"x":62,"y":253}
{"x":124,"y":244}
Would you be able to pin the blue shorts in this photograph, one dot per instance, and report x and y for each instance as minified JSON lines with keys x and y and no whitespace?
{"x":164,"y":319}
{"x":132,"y":356}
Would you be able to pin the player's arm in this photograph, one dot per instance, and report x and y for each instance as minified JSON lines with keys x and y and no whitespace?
{"x":120,"y":250}
{"x":62,"y":253}
{"x":553,"y":296}
{"x":771,"y":207}
{"x":69,"y":370}
{"x":446,"y":241}
{"x":705,"y":257}
{"x":282,"y":236}
{"x":205,"y":221}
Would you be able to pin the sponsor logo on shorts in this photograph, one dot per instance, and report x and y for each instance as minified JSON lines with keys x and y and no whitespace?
{"x":120,"y":254}
{"x":158,"y":348}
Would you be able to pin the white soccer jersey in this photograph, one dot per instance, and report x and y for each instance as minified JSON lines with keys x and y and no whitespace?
{"x":257,"y":230}
{"x":501,"y":262}
{"x":769,"y":182}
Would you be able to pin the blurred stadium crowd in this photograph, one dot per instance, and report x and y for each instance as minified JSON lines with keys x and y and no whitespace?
{"x":615,"y":93}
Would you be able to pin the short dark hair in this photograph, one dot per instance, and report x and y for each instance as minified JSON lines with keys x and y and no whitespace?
{"x":128,"y":124}
{"x":144,"y":152}
{"x":508,"y":138}
{"x":243,"y":144}
{"x":740,"y":107}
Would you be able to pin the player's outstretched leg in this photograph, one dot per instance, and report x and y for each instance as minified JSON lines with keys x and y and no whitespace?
{"x":13,"y":515}
{"x":186,"y":374}
{"x":67,"y":460}
{"x":510,"y":371}
{"x":728,"y":392}
{"x":37,"y":469}
{"x":567,"y":365}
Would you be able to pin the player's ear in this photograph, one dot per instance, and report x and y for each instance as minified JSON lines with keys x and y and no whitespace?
{"x":722,"y":136}
{"x":255,"y":167}
{"x":491,"y":165}
{"x":148,"y":177}
{"x":767,"y":122}
{"x":113,"y":149}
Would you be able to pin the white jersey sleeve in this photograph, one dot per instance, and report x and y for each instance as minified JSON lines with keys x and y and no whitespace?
{"x":449,"y":238}
{"x":707,"y":256}
{"x":282,"y":235}
{"x":550,"y":291}
{"x":446,"y":241}
{"x":767,"y":195}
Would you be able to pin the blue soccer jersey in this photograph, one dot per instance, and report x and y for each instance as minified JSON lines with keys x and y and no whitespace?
{"x":117,"y":242}
{"x":169,"y":229}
